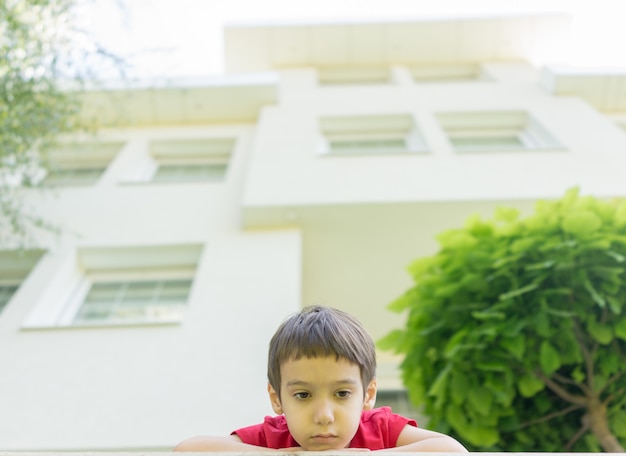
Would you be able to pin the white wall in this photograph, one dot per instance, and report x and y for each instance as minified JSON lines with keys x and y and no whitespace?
{"x":148,"y":386}
{"x":287,"y":228}
{"x":287,"y":169}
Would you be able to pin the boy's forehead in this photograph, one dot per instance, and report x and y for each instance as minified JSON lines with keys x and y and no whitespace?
{"x":320,"y":367}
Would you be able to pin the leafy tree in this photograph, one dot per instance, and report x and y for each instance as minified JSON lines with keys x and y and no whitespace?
{"x":516,"y":332}
{"x":45,"y":57}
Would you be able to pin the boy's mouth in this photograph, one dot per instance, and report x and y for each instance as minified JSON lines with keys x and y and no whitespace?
{"x":324,"y":437}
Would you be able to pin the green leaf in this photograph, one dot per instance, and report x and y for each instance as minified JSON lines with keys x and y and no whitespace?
{"x":401,"y":303}
{"x":541,"y":324}
{"x":549,"y":358}
{"x":592,"y":443}
{"x":392,"y":341}
{"x":454,"y":344}
{"x":539,"y":266}
{"x":594,"y":294}
{"x":515,"y":346}
{"x":456,"y":239}
{"x":488,"y":315}
{"x":492,"y":366}
{"x":618,"y":424}
{"x":518,"y":292}
{"x":581,"y":222}
{"x":506,"y":214}
{"x":458,"y":387}
{"x":616,"y":256}
{"x":615,"y":304}
{"x":456,"y":417}
{"x":529,"y":385}
{"x":578,"y":374}
{"x":438,"y":388}
{"x":620,"y":328}
{"x":480,"y":399}
{"x":600,"y":333}
{"x":480,"y":435}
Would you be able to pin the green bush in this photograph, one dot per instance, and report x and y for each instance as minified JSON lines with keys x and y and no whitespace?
{"x":515,"y":338}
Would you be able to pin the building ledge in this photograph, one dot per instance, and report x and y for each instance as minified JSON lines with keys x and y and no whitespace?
{"x":222,"y":99}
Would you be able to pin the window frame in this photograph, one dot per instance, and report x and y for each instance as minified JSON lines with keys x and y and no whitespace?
{"x":191,"y":153}
{"x":357,"y":75}
{"x":85,"y":285}
{"x":490,"y":125}
{"x":82,"y":266}
{"x":66,"y":158}
{"x":15,"y":267}
{"x":448,"y":73}
{"x":375,"y":128}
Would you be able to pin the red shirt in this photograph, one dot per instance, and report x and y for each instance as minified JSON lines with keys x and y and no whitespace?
{"x":379,"y":429}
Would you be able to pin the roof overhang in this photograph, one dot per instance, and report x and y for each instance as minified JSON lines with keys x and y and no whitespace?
{"x":529,"y":37}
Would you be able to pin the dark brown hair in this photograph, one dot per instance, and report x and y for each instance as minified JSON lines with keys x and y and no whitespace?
{"x":318,"y":331}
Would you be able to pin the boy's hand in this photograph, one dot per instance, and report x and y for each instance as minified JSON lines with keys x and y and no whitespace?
{"x":294,"y":449}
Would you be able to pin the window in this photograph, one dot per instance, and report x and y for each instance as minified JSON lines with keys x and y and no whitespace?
{"x":370,"y":135}
{"x":126,"y":300}
{"x":14,"y":268}
{"x":130,"y":286}
{"x":448,"y":73}
{"x":79,"y":164}
{"x":495,"y":131}
{"x":342,"y":75}
{"x":6,"y":292}
{"x":399,"y":402}
{"x":192,"y":160}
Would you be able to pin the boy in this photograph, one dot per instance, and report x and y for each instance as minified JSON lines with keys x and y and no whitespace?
{"x":321,"y":372}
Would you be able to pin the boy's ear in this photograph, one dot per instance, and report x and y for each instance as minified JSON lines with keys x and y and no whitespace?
{"x":274,"y":400}
{"x":370,"y":396}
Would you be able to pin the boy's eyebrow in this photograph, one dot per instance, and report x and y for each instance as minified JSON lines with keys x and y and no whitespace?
{"x":345,"y":381}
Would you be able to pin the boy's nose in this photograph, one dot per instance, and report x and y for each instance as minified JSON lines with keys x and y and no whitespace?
{"x":324,"y":413}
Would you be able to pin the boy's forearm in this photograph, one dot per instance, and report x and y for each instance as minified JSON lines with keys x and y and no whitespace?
{"x":207,"y":443}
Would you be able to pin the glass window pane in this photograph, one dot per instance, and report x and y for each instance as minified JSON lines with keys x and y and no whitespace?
{"x":368,"y":146}
{"x":6,"y":291}
{"x":134,"y":302}
{"x":487,"y":143}
{"x":73,"y":176}
{"x":212,"y":172}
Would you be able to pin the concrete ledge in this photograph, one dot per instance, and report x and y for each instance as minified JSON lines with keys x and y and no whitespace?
{"x":265,"y":453}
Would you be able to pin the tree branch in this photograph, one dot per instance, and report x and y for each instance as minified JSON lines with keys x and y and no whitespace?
{"x":569,"y":381}
{"x":587,"y":356}
{"x":561,"y":392}
{"x":610,"y":397}
{"x":550,"y":416}
{"x":584,"y":428}
{"x":611,"y":380}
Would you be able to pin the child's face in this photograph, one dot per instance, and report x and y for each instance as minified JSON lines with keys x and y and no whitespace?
{"x":322,"y":400}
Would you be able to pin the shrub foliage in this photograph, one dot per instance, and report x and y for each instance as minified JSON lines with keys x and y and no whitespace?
{"x":516,"y":331}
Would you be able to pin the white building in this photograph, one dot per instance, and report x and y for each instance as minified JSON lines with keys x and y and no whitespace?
{"x":203,"y":213}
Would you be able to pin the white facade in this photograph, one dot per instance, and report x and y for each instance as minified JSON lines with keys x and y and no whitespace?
{"x":325,"y":191}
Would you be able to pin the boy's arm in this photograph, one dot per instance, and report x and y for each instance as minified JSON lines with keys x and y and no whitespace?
{"x":224,"y":443}
{"x":416,"y":439}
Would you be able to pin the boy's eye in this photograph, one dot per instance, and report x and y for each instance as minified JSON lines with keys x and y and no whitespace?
{"x":301,"y":395}
{"x":343,"y":394}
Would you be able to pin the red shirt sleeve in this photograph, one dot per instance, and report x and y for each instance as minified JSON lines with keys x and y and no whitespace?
{"x":380,"y":429}
{"x":272,"y":433}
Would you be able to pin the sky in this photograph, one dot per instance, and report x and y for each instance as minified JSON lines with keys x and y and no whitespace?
{"x":183,"y":38}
